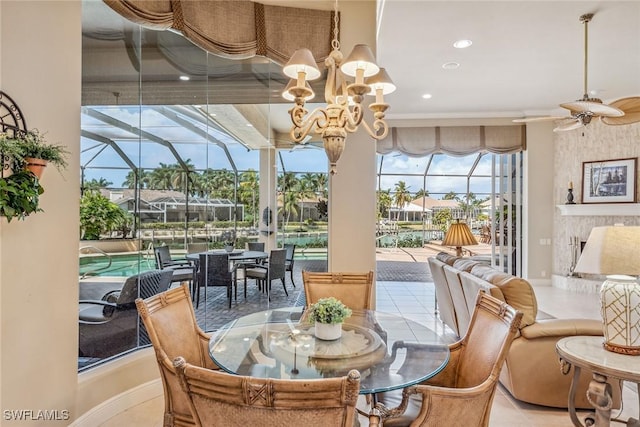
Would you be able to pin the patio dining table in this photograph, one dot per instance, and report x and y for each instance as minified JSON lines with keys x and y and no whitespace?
{"x":280,"y":343}
{"x":237,"y":255}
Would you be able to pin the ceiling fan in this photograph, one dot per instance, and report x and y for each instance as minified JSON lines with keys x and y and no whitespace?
{"x":584,"y":110}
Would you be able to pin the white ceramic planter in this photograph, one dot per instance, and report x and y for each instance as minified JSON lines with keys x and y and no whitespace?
{"x":328,"y":332}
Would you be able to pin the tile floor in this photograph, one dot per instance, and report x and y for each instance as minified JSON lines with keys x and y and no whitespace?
{"x":416,"y":301}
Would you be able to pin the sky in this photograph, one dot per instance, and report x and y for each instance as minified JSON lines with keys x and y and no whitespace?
{"x":101,"y":160}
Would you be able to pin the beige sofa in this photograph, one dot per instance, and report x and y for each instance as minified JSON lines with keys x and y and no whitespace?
{"x":532,"y":371}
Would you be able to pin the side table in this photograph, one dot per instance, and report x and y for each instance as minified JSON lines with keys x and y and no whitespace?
{"x":587,"y":352}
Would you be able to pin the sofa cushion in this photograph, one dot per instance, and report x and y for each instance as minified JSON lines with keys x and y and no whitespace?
{"x":447,"y":258}
{"x":464,"y":264}
{"x":517,"y":292}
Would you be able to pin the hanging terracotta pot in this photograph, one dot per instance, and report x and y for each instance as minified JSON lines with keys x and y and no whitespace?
{"x":35,"y":166}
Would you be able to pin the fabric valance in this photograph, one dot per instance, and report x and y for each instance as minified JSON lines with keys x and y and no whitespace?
{"x":236,"y":29}
{"x":453,"y":140}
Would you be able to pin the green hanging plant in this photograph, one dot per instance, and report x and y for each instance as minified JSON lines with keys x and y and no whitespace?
{"x":19,"y":195}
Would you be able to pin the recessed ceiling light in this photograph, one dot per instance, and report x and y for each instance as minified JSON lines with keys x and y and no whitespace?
{"x":427,"y":96}
{"x":249,"y":125}
{"x":461,"y":44}
{"x":184,"y":78}
{"x":450,"y":65}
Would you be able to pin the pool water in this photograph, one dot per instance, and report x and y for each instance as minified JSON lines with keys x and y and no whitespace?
{"x":125,"y":265}
{"x":121,"y":265}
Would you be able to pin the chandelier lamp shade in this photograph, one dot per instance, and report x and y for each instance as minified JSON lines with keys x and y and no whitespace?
{"x":613,"y":251}
{"x":348,"y":81}
{"x":459,"y":235}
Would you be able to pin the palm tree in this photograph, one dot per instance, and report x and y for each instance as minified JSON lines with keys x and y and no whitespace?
{"x":249,"y":194}
{"x":306,"y":188}
{"x":402,"y":196}
{"x":96,"y":184}
{"x":223,"y":184}
{"x":451,"y":195}
{"x":384,"y":203}
{"x":161,"y":177}
{"x":421,"y":193}
{"x":289,"y":207}
{"x":143,"y":180}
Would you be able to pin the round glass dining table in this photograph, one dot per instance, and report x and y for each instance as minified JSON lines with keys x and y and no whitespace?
{"x":389,"y":351}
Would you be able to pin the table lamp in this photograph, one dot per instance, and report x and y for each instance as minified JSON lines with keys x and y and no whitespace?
{"x":459,"y":235}
{"x":615,"y":252}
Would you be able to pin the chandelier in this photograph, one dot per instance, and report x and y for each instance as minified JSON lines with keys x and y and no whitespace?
{"x":348,"y":80}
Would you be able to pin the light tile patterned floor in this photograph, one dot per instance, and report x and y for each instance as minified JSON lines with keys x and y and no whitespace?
{"x":415,"y":300}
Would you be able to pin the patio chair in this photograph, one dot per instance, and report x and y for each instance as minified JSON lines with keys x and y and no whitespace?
{"x":164,"y":260}
{"x":220,"y":399}
{"x":291,"y":250}
{"x":173,"y":330}
{"x":265,"y":273}
{"x":462,"y":393}
{"x":353,"y":289}
{"x":214,"y":270}
{"x":110,"y":326}
{"x":255,"y":246}
{"x":183,"y":270}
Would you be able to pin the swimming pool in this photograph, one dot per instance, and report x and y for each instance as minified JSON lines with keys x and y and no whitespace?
{"x":122,"y":265}
{"x":125,"y":265}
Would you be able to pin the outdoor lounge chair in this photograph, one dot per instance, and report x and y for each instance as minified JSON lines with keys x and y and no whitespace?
{"x":110,"y":326}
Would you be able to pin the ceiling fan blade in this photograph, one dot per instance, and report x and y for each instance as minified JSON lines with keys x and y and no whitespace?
{"x":570,"y":125}
{"x":631,"y":108}
{"x":539,"y":119}
{"x":597,"y":108}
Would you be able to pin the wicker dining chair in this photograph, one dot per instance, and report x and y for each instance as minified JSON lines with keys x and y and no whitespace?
{"x":462,"y":393}
{"x":217,"y":398}
{"x":353,"y":289}
{"x":173,"y":331}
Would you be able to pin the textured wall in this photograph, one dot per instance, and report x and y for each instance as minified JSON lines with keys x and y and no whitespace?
{"x":594,"y":142}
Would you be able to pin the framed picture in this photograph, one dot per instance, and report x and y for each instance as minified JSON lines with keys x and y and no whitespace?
{"x":609,"y":181}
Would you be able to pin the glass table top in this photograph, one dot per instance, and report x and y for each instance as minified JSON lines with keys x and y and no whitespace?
{"x":388,"y":350}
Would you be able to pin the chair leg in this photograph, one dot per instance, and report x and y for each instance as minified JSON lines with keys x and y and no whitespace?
{"x":285,"y":287}
{"x":196,"y":287}
{"x":292,"y":282}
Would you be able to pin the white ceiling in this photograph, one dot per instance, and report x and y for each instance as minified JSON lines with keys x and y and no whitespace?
{"x":526,"y":57}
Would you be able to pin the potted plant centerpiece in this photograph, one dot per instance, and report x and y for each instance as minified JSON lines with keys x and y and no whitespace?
{"x":229,"y":240}
{"x":328,"y":315}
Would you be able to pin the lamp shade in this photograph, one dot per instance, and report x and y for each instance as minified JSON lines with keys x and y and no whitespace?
{"x":381,"y":81}
{"x":459,"y":235}
{"x":302,"y":60}
{"x":361,"y":58}
{"x":611,"y":250}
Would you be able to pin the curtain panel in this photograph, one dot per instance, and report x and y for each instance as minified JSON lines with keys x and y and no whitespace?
{"x":237,"y":29}
{"x":453,"y":140}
